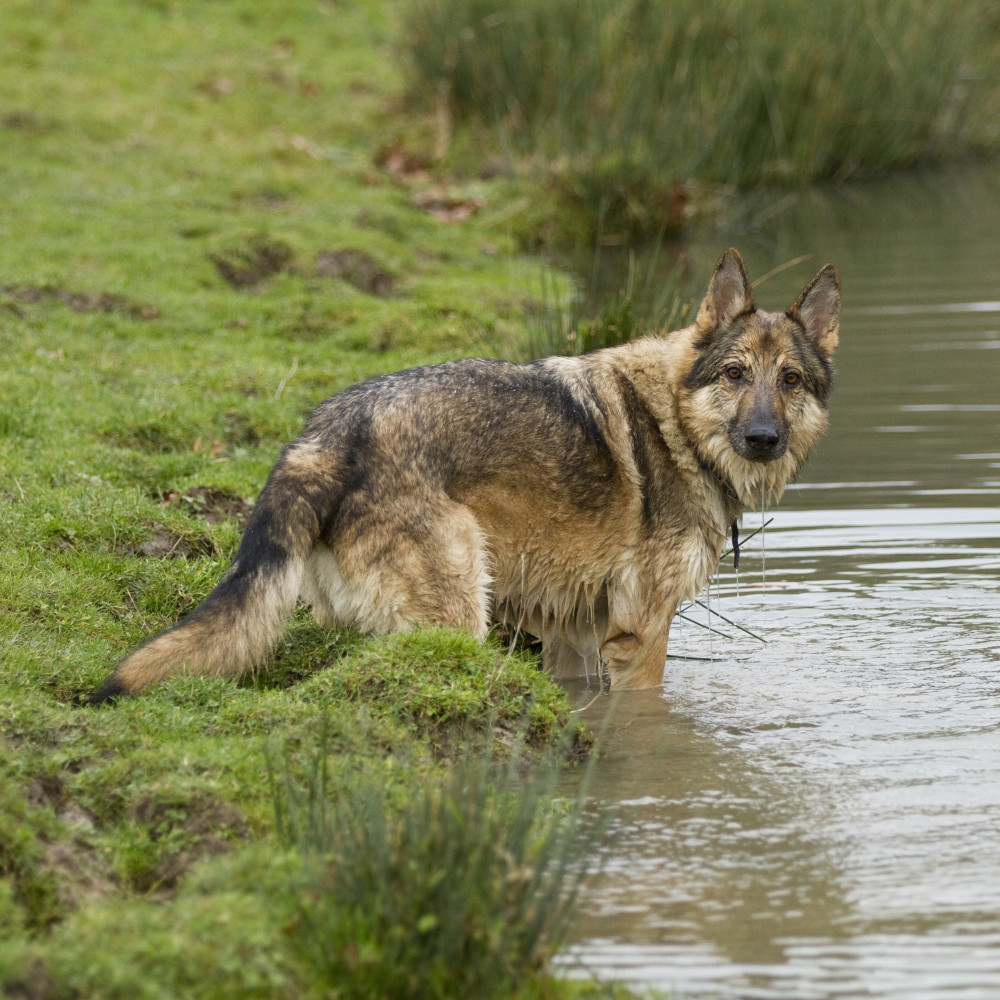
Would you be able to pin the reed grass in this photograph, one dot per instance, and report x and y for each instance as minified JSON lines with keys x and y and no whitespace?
{"x":627,"y":105}
{"x":571,"y":318}
{"x":461,"y":887}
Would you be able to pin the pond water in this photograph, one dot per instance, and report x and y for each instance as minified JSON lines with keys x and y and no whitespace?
{"x":818,"y":815}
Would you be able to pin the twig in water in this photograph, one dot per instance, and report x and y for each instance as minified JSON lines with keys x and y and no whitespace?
{"x":573,"y":711}
{"x":729,"y":621}
{"x":694,"y":621}
{"x":746,"y":538}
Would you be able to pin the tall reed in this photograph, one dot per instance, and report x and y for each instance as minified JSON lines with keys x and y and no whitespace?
{"x":621,"y":100}
{"x":461,"y":887}
{"x":587,"y":321}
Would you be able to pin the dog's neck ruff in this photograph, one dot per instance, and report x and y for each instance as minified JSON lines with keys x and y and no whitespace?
{"x":733,"y":497}
{"x":727,"y":487}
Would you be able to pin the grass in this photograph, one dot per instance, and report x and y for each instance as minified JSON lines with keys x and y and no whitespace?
{"x":630,"y":111}
{"x":149,"y":877}
{"x":465,"y":892}
{"x":655,"y":295}
{"x":204,"y":237}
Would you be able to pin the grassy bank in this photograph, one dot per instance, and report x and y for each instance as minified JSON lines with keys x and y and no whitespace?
{"x":215,"y":215}
{"x":208,"y":227}
{"x":634,"y":111}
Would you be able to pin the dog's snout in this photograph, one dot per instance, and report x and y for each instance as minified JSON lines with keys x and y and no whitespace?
{"x":762,"y":437}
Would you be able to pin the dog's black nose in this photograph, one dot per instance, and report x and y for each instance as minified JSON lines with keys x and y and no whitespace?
{"x":762,"y":437}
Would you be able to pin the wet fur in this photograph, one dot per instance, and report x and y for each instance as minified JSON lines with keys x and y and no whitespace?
{"x":581,"y":499}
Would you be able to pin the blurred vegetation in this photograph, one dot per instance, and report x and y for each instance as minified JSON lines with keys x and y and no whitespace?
{"x":466,"y":891}
{"x":654,"y":295}
{"x":629,"y":110}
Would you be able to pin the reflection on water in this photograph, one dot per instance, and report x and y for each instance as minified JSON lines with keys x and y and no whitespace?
{"x":820,"y":816}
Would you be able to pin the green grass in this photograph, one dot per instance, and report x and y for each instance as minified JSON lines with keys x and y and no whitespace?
{"x":654,"y":296}
{"x":143,"y":854}
{"x":466,"y":891}
{"x":629,"y":110}
{"x":201,"y":239}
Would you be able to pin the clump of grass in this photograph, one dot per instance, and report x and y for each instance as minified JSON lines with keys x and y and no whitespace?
{"x":627,"y":104}
{"x":28,"y":888}
{"x":443,"y":684}
{"x":655,"y":296}
{"x":463,"y":886}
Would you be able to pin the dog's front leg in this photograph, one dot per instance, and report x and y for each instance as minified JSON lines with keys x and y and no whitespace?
{"x":635,"y":659}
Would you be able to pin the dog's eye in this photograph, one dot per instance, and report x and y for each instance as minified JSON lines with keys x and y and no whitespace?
{"x":734,"y":372}
{"x":792,"y":378}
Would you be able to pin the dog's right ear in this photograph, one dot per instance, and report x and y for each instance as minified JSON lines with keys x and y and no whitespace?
{"x":729,"y":295}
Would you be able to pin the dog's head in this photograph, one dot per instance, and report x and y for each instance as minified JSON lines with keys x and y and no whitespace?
{"x":756,"y":395}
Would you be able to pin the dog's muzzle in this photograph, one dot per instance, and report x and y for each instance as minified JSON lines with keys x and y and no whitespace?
{"x":759,"y":441}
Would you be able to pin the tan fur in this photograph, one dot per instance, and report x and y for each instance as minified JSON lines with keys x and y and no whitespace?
{"x":578,"y":499}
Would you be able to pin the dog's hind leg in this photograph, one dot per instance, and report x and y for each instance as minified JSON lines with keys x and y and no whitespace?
{"x":445,"y":577}
{"x":431,"y":569}
{"x":322,"y":587}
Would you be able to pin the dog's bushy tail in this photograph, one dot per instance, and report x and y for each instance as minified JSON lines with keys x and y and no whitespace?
{"x":237,"y":625}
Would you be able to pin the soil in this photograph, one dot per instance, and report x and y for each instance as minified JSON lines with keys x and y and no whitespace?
{"x":357,"y":268}
{"x":248,"y":265}
{"x":83,"y":302}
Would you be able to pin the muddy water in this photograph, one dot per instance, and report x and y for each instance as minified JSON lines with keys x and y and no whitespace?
{"x":819,"y":815}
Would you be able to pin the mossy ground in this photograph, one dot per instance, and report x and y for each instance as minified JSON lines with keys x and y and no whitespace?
{"x":204,"y":233}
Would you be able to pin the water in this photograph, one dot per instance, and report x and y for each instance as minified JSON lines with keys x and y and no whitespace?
{"x":819,"y":816}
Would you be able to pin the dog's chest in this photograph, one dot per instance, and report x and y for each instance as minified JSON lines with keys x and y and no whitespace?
{"x":700,"y":545}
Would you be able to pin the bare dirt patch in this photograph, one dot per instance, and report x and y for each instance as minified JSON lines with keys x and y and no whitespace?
{"x":83,"y":302}
{"x":165,"y":545}
{"x":249,"y":264}
{"x":77,"y":870}
{"x":204,"y":502}
{"x":209,"y":503}
{"x":195,"y":828}
{"x":357,"y":268}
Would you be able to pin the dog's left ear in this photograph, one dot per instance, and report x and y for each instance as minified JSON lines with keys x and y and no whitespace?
{"x":729,"y":295}
{"x":817,"y":310}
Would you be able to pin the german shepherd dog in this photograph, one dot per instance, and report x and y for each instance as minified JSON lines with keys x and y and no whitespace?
{"x":579,"y":499}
